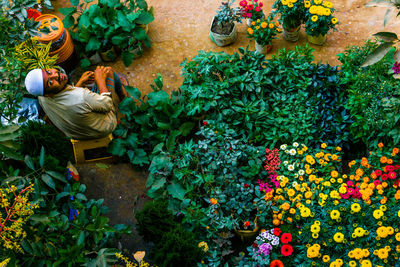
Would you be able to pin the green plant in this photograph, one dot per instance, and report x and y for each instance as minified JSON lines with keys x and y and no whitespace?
{"x":109,"y":23}
{"x":34,"y":55}
{"x":292,"y":13}
{"x":227,"y":15}
{"x":154,"y":220}
{"x":178,"y":247}
{"x":263,"y":31}
{"x":319,"y":17}
{"x":35,"y":135}
{"x":160,"y":121}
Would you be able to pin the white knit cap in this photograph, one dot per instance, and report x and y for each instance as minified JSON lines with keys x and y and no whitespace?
{"x":34,"y":82}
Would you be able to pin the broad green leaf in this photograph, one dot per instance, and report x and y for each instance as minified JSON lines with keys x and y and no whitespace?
{"x":144,"y":18}
{"x":102,"y":166}
{"x":48,"y":180}
{"x":41,"y":158}
{"x":386,"y":36}
{"x":81,"y":197}
{"x":93,"y":44}
{"x":159,"y":183}
{"x":119,"y":39}
{"x":39,"y":218}
{"x":61,"y":195}
{"x":74,"y":2}
{"x":378,"y":54}
{"x":85,"y":63}
{"x":81,"y":238}
{"x":158,"y":98}
{"x":176,"y":191}
{"x":127,"y":58}
{"x":102,"y":22}
{"x":133,"y":92}
{"x":140,"y":157}
{"x":29,"y":162}
{"x":67,"y":10}
{"x":9,"y":136}
{"x":10,"y":153}
{"x":159,"y":81}
{"x":186,"y":128}
{"x":57,"y":176}
{"x":68,"y":21}
{"x":9,"y":129}
{"x":117,"y":147}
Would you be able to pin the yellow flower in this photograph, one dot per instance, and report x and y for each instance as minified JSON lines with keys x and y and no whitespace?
{"x":317,"y":2}
{"x":257,"y":27}
{"x":314,"y":19}
{"x":326,"y":258}
{"x":335,"y":214}
{"x":307,"y":4}
{"x":315,"y":228}
{"x":377,"y":214}
{"x":328,"y":4}
{"x":271,"y":26}
{"x":313,"y":9}
{"x":355,"y":207}
{"x":334,"y":20}
{"x":264,"y":25}
{"x":290,"y":5}
{"x":258,"y":21}
{"x":334,"y":174}
{"x":203,"y":245}
{"x":327,"y":12}
{"x":253,"y":23}
{"x":315,"y":235}
{"x":250,"y":31}
{"x":352,"y":263}
{"x":397,"y":236}
{"x":338,"y":237}
{"x":366,"y":263}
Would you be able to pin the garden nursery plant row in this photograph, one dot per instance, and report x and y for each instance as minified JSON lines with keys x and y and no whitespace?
{"x":251,"y":162}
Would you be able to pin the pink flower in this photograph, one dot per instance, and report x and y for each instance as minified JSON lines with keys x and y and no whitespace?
{"x":260,"y":4}
{"x":389,"y":168}
{"x":249,"y":15}
{"x":396,"y":68}
{"x":250,"y":7}
{"x":376,"y":182}
{"x":255,"y":1}
{"x":384,"y":177}
{"x":378,"y":172}
{"x":392,"y":175}
{"x":258,"y":9}
{"x":244,"y":15}
{"x":349,"y":183}
{"x":243,"y":3}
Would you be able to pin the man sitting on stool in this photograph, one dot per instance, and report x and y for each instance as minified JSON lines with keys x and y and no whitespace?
{"x":78,"y":112}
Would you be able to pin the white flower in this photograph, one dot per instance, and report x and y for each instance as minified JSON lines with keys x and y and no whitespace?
{"x":292,"y":151}
{"x":296,"y":175}
{"x":286,"y":162}
{"x":294,"y":184}
{"x":291,"y":167}
{"x":295,"y":144}
{"x":301,"y":172}
{"x":283,"y":147}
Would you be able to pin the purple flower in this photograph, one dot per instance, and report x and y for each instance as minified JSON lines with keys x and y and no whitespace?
{"x":396,"y":67}
{"x":265,"y":248}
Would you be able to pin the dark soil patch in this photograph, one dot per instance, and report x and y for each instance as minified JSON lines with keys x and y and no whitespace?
{"x":224,"y":28}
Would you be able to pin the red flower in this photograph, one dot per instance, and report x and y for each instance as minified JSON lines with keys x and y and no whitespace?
{"x":392,"y":175}
{"x":384,"y":177}
{"x":255,"y":245}
{"x":246,"y":185}
{"x":277,"y":231}
{"x":389,"y":168}
{"x":258,"y":9}
{"x":276,"y":263}
{"x":376,"y":182}
{"x":261,"y":5}
{"x":378,"y":172}
{"x":286,"y":250}
{"x":286,"y":238}
{"x":249,"y":15}
{"x":33,"y":13}
{"x":246,"y":224}
{"x":250,"y":7}
{"x":205,"y":123}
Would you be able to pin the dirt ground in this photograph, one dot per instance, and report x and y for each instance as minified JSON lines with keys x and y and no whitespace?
{"x":180,"y":30}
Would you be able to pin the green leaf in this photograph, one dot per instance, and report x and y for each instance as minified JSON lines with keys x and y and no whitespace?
{"x":133,"y":92}
{"x":61,"y":195}
{"x":81,"y":238}
{"x":9,"y":129}
{"x":67,"y":10}
{"x":102,"y":166}
{"x":386,"y":36}
{"x":81,"y":197}
{"x":159,"y":81}
{"x":29,"y":162}
{"x":102,"y":22}
{"x":10,"y":153}
{"x":9,"y":136}
{"x":378,"y":54}
{"x":41,"y":159}
{"x":119,"y":39}
{"x":57,"y":176}
{"x":171,"y":139}
{"x":159,"y":183}
{"x":39,"y":218}
{"x":145,"y":18}
{"x":186,"y":128}
{"x":68,"y":21}
{"x":85,"y":63}
{"x":74,"y":2}
{"x":127,"y":58}
{"x":140,"y":157}
{"x":176,"y":191}
{"x":117,"y":147}
{"x":93,"y":44}
{"x":47,"y":180}
{"x":158,"y":98}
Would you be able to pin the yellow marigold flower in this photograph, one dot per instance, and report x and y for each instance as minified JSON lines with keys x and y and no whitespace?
{"x":271,"y":26}
{"x":334,"y":174}
{"x":276,"y":23}
{"x":335,"y":214}
{"x":264,"y":25}
{"x":258,"y":21}
{"x":326,"y":258}
{"x":290,"y":5}
{"x":203,"y":245}
{"x":323,"y":145}
{"x":334,"y":20}
{"x":397,"y":236}
{"x":377,"y":214}
{"x":366,"y":263}
{"x":317,"y":2}
{"x":338,"y":237}
{"x":307,"y":4}
{"x":315,"y":228}
{"x":355,"y":207}
{"x":338,"y":148}
{"x":352,"y":263}
{"x":328,"y":4}
{"x":327,"y":12}
{"x":253,"y":23}
{"x":313,"y":10}
{"x":257,"y":27}
{"x":250,"y":31}
{"x":308,"y":194}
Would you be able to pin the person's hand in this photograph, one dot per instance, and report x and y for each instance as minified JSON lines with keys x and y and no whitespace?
{"x":100,"y":74}
{"x":86,"y":78}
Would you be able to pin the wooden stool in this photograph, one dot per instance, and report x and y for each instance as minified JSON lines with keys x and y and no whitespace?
{"x":86,"y":151}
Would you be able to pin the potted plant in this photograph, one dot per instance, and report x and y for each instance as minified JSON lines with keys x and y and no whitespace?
{"x":263,"y":31}
{"x":223,"y":29}
{"x":319,"y":20}
{"x":109,"y":27}
{"x":251,"y":10}
{"x":292,"y":14}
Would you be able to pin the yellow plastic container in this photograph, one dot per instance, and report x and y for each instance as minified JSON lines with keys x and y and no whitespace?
{"x":318,"y":40}
{"x":86,"y":151}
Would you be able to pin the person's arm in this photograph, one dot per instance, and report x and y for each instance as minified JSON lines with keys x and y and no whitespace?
{"x":87,"y":76}
{"x":100,"y":75}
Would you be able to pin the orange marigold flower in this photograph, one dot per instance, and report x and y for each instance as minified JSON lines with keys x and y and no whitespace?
{"x":389,"y":161}
{"x":380,"y":145}
{"x":383,"y":200}
{"x":351,"y":163}
{"x":213,"y":201}
{"x":277,"y":24}
{"x":366,"y":179}
{"x":383,"y":159}
{"x":264,"y":25}
{"x":285,"y":206}
{"x":359,"y":172}
{"x":395,"y":150}
{"x":271,"y":26}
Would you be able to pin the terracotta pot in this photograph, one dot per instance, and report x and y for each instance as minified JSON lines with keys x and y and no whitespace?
{"x":291,"y":35}
{"x":318,"y":40}
{"x":263,"y":49}
{"x":222,"y":39}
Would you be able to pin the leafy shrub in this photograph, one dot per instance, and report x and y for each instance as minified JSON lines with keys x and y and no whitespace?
{"x":371,"y":96}
{"x":35,"y":135}
{"x":159,"y":121}
{"x":154,"y":220}
{"x":178,"y":247}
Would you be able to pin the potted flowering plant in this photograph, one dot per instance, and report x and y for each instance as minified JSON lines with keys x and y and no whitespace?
{"x":292,"y":14}
{"x":319,"y":20}
{"x":223,"y":29}
{"x":263,"y":31}
{"x":251,"y":10}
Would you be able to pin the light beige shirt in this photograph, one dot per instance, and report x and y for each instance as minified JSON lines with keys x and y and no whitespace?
{"x":80,"y":113}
